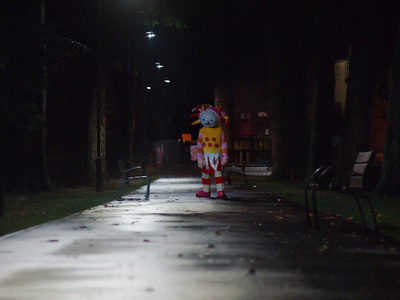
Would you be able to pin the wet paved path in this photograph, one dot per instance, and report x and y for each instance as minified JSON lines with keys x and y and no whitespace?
{"x":177,"y":246}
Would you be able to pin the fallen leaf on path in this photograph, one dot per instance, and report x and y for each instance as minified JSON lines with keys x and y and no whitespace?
{"x":251,"y":271}
{"x":321,"y":249}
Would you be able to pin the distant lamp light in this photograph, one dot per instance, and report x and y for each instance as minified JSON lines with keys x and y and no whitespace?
{"x":148,"y":87}
{"x":167,"y":81}
{"x":159,"y":65}
{"x":262,"y":114}
{"x":150,"y":34}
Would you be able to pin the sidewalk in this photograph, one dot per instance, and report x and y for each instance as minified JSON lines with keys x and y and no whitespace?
{"x":176,"y":246}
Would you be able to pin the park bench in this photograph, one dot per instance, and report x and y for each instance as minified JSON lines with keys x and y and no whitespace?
{"x":128,"y":175}
{"x":232,"y":169}
{"x":245,"y":170}
{"x":322,"y":179}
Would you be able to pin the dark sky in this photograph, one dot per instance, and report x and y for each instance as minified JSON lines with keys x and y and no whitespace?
{"x":221,"y":36}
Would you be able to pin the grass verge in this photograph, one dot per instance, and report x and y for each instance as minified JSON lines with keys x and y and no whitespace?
{"x":386,"y":209}
{"x":27,"y":210}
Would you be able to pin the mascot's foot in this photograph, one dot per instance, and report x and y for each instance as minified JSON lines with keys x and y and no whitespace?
{"x":221,"y":195}
{"x":202,"y":194}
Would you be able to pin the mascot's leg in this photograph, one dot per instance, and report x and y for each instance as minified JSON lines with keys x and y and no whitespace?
{"x":206,"y":181}
{"x":219,"y":181}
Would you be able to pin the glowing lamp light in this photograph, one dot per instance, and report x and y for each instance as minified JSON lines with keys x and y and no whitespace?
{"x":150,"y":34}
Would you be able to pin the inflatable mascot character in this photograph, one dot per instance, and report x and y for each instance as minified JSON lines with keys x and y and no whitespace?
{"x":212,"y":150}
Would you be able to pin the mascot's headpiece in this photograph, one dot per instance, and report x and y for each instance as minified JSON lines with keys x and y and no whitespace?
{"x":218,"y":111}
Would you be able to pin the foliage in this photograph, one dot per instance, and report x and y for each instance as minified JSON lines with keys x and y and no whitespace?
{"x":31,"y":46}
{"x":155,"y":12}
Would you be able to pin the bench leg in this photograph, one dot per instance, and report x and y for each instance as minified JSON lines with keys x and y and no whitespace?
{"x":120,"y":188}
{"x":373,"y":214}
{"x":316,"y":221}
{"x":242,"y":173}
{"x":360,"y":208}
{"x":148,"y":188}
{"x":245,"y":178}
{"x":308,"y":218}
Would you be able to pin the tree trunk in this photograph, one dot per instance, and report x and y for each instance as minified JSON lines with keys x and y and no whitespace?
{"x":132,"y":93}
{"x":358,"y":99}
{"x":2,"y":158}
{"x":96,"y":119}
{"x":321,"y":93}
{"x":45,"y":181}
{"x":277,"y":121}
{"x":35,"y":171}
{"x":287,"y":96}
{"x":2,"y":147}
{"x":389,"y":181}
{"x":3,"y":123}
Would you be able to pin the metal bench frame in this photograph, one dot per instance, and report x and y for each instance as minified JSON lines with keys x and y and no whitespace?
{"x":232,"y":169}
{"x":125,"y":178}
{"x":322,"y":179}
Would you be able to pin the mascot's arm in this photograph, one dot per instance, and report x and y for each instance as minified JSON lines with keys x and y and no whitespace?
{"x":224,"y":147}
{"x":200,"y":153}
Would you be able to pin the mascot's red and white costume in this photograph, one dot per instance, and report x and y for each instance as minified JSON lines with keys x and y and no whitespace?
{"x":212,"y":149}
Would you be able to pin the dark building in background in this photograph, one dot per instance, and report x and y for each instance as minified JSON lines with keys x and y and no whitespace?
{"x":248,"y":133}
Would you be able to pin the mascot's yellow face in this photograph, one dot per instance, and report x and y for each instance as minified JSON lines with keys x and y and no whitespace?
{"x":209,"y":119}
